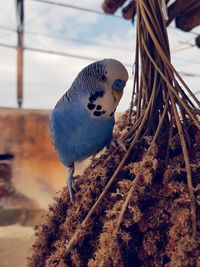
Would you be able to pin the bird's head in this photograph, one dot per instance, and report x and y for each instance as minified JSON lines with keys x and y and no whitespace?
{"x":115,"y":78}
{"x":110,"y":74}
{"x":102,"y":82}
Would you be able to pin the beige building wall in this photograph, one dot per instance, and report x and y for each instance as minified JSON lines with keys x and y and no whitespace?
{"x":36,"y":170}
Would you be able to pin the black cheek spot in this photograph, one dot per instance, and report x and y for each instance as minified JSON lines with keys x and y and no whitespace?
{"x":97,"y":113}
{"x":92,"y":99}
{"x":100,"y":94}
{"x":103,"y":112}
{"x":99,"y":107}
{"x":96,"y":95}
{"x":91,"y":106}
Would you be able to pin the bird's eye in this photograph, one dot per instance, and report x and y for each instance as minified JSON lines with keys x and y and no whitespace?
{"x":103,"y":78}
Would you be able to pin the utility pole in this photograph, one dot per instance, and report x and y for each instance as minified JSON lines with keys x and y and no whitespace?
{"x":20,"y":48}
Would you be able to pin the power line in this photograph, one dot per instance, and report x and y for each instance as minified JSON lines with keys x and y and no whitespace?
{"x":75,"y":7}
{"x":52,"y":52}
{"x":189,"y":74}
{"x":187,"y":60}
{"x":8,"y":46}
{"x":66,"y":54}
{"x":39,"y":16}
{"x":94,"y":11}
{"x":175,"y":28}
{"x":78,"y":41}
{"x":88,"y":42}
{"x":57,"y":53}
{"x":182,"y":49}
{"x":186,"y":42}
{"x":58,"y":37}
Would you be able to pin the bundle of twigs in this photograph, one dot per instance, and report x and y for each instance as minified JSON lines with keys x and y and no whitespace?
{"x":159,"y":91}
{"x":160,"y":104}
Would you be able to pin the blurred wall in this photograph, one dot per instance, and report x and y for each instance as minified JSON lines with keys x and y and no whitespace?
{"x":35,"y":169}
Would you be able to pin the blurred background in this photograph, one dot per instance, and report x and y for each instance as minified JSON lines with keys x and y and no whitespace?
{"x":43,"y":46}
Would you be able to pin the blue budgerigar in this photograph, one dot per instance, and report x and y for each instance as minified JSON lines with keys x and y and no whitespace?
{"x":83,"y":119}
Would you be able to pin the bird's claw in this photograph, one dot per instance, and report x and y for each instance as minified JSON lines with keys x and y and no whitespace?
{"x":71,"y":187}
{"x":70,"y":182}
{"x":117,"y":142}
{"x":74,"y":185}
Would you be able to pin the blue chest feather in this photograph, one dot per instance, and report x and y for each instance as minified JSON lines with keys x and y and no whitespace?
{"x":77,"y":135}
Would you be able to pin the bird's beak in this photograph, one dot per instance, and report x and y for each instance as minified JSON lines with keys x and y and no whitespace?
{"x":117,"y":89}
{"x":117,"y":94}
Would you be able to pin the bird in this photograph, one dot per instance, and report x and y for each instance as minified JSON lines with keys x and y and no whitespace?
{"x":83,"y":119}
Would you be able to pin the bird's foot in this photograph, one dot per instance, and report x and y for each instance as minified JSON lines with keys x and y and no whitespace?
{"x":70,"y":183}
{"x":71,"y":187}
{"x":74,"y":187}
{"x":117,"y":142}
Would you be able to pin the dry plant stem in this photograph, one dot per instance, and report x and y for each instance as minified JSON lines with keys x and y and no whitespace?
{"x":172,"y":89}
{"x":185,"y":131}
{"x":184,"y":148}
{"x":169,"y":139}
{"x":162,"y":53}
{"x":180,"y":101}
{"x":136,"y":180}
{"x":96,"y":204}
{"x":129,"y":136}
{"x":125,"y":204}
{"x":184,"y":84}
{"x":156,"y":25}
{"x":125,"y":138}
{"x":183,"y":94}
{"x":164,"y":56}
{"x":188,"y":168}
{"x":161,"y":25}
{"x":134,"y":84}
{"x":139,"y":92}
{"x":159,"y":127}
{"x":132,"y":99}
{"x":155,"y":92}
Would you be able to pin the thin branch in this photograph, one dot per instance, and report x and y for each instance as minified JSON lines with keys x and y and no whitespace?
{"x":125,"y":204}
{"x":173,"y":90}
{"x":164,"y":56}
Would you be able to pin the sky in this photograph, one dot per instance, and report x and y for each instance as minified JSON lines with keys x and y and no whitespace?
{"x":47,"y":77}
